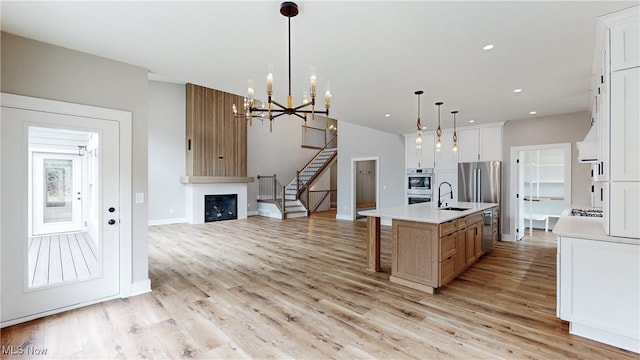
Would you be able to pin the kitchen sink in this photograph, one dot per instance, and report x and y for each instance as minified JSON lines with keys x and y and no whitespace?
{"x":453,"y":208}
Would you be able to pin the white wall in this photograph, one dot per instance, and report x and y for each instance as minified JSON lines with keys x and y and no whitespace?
{"x":278,"y":152}
{"x":354,"y":142}
{"x":41,"y":70}
{"x":555,"y":129}
{"x":166,"y":152}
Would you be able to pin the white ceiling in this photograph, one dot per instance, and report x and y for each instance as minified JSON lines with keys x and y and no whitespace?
{"x":376,"y":54}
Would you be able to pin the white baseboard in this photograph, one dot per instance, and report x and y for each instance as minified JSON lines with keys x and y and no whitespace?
{"x":167,"y":221}
{"x":252,"y":213}
{"x":138,"y":288}
{"x":344,"y":217}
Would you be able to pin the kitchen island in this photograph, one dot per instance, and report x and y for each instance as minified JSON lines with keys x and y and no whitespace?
{"x":431,"y":245}
{"x":598,"y":282}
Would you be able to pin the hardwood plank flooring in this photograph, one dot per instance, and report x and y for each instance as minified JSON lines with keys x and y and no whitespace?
{"x":266,"y":288}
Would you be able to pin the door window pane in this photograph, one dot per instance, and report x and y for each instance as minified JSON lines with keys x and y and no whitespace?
{"x":58,"y":204}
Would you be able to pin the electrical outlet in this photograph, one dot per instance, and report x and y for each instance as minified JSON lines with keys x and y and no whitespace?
{"x":139,"y":198}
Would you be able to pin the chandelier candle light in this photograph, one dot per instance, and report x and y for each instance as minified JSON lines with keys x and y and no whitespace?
{"x":455,"y":136}
{"x":419,"y":128}
{"x":274,"y":109}
{"x":439,"y":130}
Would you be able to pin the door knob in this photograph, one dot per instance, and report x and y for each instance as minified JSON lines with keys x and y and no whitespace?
{"x":111,"y":221}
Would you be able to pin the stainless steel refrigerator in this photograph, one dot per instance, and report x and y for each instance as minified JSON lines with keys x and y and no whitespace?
{"x":482,"y":182}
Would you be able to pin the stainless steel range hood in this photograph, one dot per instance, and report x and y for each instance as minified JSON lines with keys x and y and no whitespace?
{"x":588,"y":149}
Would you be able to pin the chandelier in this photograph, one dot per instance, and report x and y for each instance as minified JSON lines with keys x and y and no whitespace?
{"x":275,"y":109}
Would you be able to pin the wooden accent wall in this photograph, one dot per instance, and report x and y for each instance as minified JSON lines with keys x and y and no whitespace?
{"x":218,"y":140}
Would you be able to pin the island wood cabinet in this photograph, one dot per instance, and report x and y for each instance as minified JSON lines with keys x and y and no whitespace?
{"x":427,"y":256}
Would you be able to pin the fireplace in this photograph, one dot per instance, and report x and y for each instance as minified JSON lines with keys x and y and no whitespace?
{"x":220,"y":207}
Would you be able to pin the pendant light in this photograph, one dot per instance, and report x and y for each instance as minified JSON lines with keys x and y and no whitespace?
{"x":419,"y":128}
{"x":439,"y":130}
{"x":455,"y":136}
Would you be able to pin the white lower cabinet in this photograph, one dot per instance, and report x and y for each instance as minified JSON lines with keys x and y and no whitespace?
{"x":599,"y":290}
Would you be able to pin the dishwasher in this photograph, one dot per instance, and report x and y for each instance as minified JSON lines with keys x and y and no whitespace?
{"x":487,"y":230}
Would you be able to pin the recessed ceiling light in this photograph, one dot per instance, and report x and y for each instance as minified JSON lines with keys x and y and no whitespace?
{"x":532,"y":112}
{"x":424,"y":128}
{"x":387,"y":115}
{"x":472,"y":121}
{"x":517,"y":90}
{"x":488,"y":47}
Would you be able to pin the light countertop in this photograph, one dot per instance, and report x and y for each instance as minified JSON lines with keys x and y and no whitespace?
{"x":428,"y":212}
{"x":583,"y":227}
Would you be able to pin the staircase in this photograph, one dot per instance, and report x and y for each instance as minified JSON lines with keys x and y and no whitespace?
{"x":290,"y":201}
{"x":294,"y":207}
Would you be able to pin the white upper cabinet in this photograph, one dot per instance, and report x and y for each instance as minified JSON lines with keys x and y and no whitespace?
{"x":469,"y":145}
{"x":624,"y":208}
{"x":482,"y":144}
{"x":625,"y":46}
{"x":625,"y":125}
{"x":491,"y":143}
{"x":426,"y":158}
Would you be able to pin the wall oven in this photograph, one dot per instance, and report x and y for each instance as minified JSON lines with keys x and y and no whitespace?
{"x":419,"y":185}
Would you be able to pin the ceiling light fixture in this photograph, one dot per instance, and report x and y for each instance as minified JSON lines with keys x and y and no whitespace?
{"x":472,"y":121}
{"x":532,"y":112}
{"x":517,"y":90}
{"x":419,"y":129}
{"x":288,"y":9}
{"x":487,"y":47}
{"x":387,"y":115}
{"x":439,"y":130}
{"x":455,"y":136}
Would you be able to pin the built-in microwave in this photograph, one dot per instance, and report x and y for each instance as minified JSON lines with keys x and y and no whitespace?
{"x":419,"y":181}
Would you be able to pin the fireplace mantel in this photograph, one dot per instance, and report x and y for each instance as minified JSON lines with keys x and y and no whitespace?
{"x":215,"y":179}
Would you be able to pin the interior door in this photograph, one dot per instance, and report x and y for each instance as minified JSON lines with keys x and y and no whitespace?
{"x":20,"y":298}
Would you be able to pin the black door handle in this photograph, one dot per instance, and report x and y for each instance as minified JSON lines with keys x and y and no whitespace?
{"x":112,"y":209}
{"x":111,"y":221}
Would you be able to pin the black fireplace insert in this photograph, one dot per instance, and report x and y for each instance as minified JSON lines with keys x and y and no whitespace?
{"x":220,"y":207}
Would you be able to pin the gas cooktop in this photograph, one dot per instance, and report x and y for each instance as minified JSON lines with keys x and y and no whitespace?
{"x":587,"y":212}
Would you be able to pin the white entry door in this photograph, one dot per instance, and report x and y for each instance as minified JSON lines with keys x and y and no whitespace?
{"x":74,"y":282}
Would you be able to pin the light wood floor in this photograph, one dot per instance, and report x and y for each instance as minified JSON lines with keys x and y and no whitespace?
{"x":266,"y":288}
{"x":61,"y":257}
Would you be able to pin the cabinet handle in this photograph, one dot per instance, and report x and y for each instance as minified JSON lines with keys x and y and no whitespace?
{"x":602,"y":167}
{"x":601,"y":194}
{"x":593,"y":188}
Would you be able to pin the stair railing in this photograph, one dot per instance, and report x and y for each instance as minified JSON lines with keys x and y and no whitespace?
{"x":302,"y":188}
{"x":269,"y":188}
{"x":317,"y":198}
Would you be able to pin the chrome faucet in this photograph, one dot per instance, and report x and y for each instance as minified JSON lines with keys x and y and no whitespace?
{"x":440,"y":196}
